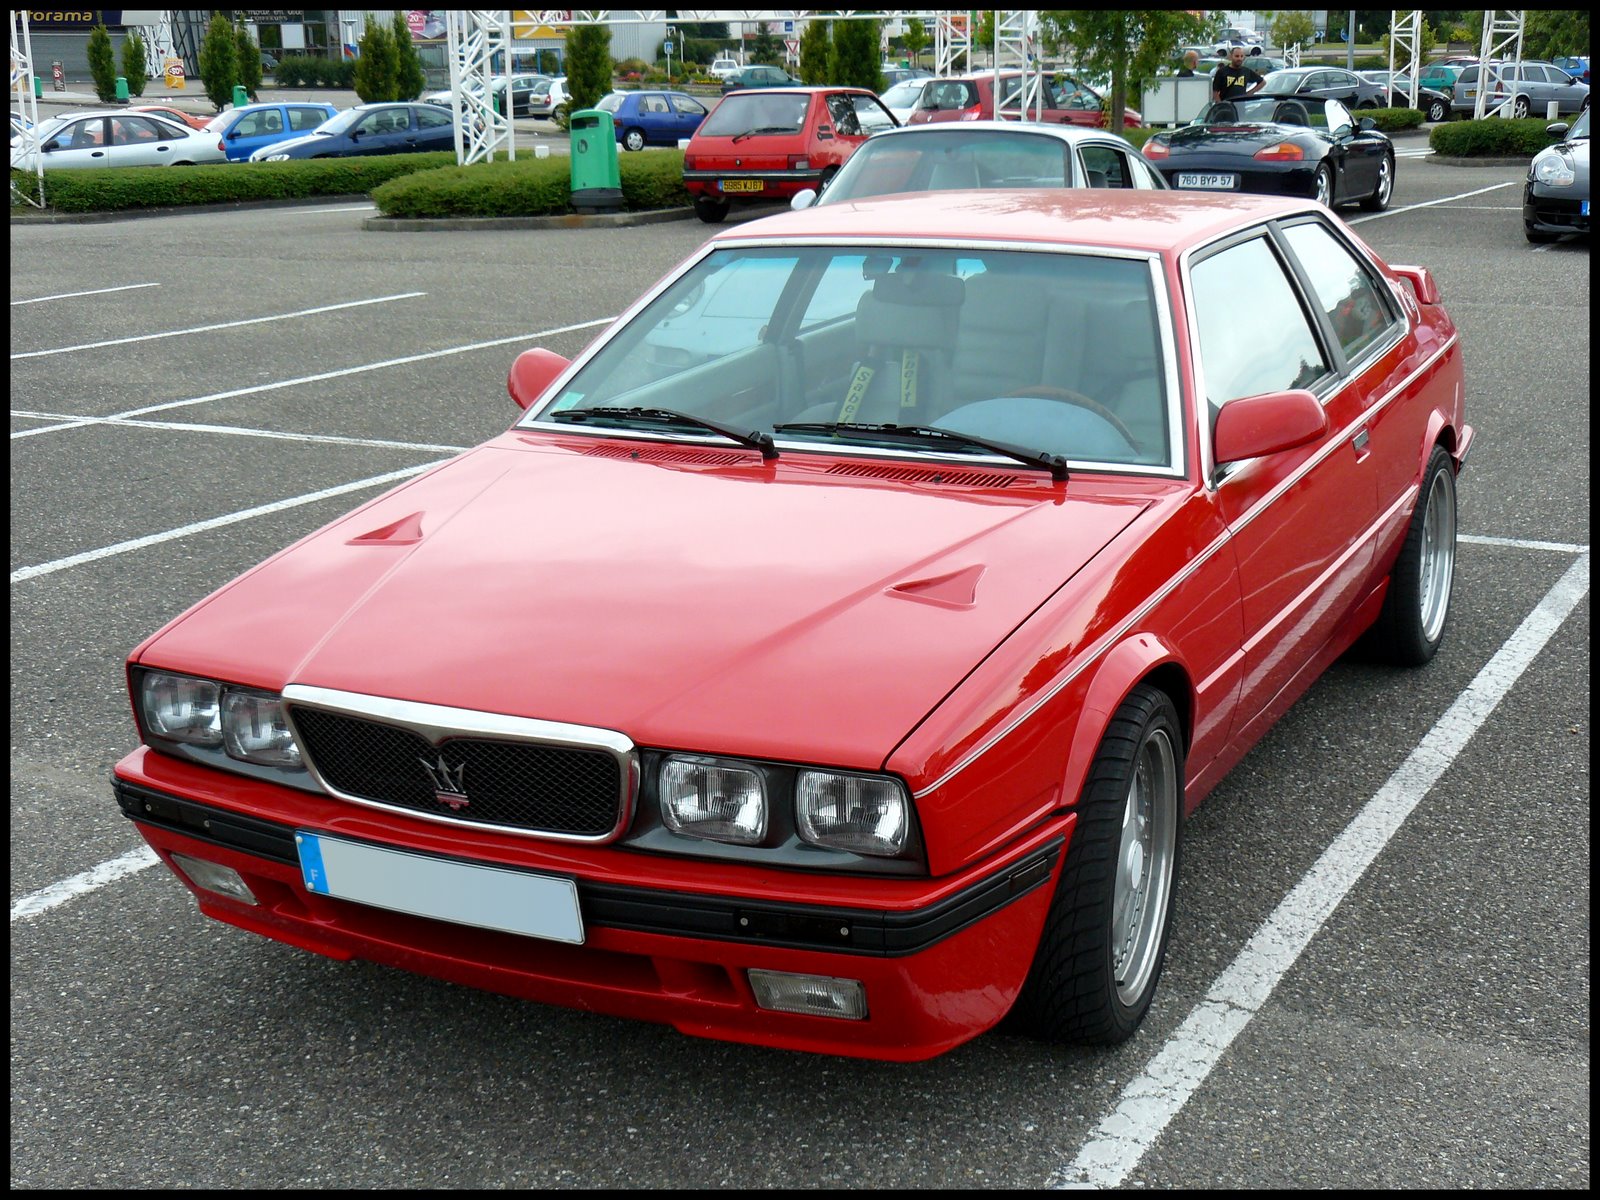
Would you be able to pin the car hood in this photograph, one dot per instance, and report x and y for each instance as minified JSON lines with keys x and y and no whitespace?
{"x":688,"y":596}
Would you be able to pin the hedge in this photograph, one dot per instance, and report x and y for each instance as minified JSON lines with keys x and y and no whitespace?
{"x":1493,"y":137}
{"x":109,"y":189}
{"x":304,"y":70}
{"x":528,"y":187}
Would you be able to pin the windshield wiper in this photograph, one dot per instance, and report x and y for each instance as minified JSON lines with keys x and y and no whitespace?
{"x":739,"y":137}
{"x":755,"y":439}
{"x":1054,"y":463}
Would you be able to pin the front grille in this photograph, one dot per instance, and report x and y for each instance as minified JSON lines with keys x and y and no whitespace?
{"x":558,"y":790}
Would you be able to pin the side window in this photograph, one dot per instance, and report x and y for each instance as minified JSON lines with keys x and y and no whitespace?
{"x":1254,"y":336}
{"x":689,"y":107}
{"x":133,"y":131}
{"x":306,"y":119}
{"x":1145,"y":175}
{"x":374,"y":122}
{"x":844,"y":116}
{"x":1106,"y":167}
{"x":871,"y":115}
{"x":84,"y":134}
{"x":434,"y":120}
{"x":1345,"y":290}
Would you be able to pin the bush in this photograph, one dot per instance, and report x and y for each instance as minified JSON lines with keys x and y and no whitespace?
{"x":528,"y":188}
{"x":102,"y":65}
{"x":133,"y":68}
{"x":1389,"y":120}
{"x":303,"y":71}
{"x":1493,"y":137}
{"x":378,"y":66}
{"x":219,"y":62}
{"x":112,"y":189}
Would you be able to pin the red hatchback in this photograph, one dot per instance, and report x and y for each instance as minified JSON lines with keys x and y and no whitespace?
{"x":1067,"y":101}
{"x":770,"y":143}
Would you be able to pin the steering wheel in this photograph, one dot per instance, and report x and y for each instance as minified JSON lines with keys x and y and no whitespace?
{"x":1078,"y":399}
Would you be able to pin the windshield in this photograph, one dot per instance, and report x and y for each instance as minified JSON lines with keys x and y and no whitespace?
{"x":48,"y":128}
{"x":760,"y":111}
{"x":939,"y":158}
{"x":1053,"y":352}
{"x":1580,"y":127}
{"x":1282,"y":83}
{"x":340,"y":122}
{"x":903,"y":95}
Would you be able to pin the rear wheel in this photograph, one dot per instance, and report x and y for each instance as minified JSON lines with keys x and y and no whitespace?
{"x":634,"y":139}
{"x":1520,"y":106}
{"x":1379,"y":200}
{"x":711,"y":211}
{"x":1324,"y":185}
{"x":1417,"y":606}
{"x":1438,"y":110}
{"x":1105,"y":938}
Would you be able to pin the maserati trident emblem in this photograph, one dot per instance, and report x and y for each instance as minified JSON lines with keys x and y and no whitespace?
{"x":447,"y":787}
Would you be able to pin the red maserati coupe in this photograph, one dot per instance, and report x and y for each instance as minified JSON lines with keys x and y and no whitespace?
{"x":829,"y":656}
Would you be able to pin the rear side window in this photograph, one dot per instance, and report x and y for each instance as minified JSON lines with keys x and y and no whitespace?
{"x":759,"y":113}
{"x":1345,"y":289}
{"x":949,"y":93}
{"x":303,"y":120}
{"x":611,"y":103}
{"x":433,"y":120}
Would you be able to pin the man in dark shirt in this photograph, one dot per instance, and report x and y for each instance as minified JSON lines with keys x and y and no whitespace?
{"x":1233,"y":79}
{"x":1191,"y":60}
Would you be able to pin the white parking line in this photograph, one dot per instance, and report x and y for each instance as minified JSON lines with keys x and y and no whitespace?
{"x":1150,"y":1102}
{"x":268,"y":387}
{"x":242,"y":431}
{"x":1430,"y":203}
{"x":154,"y":539}
{"x":127,"y":287}
{"x":91,"y":880}
{"x":301,"y":212}
{"x":149,"y":337}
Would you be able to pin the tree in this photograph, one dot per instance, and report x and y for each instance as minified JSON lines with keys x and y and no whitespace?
{"x":816,"y":46}
{"x":983,"y":35}
{"x":133,"y":68}
{"x":103,"y":64}
{"x":1402,"y":55}
{"x":914,"y":39}
{"x":854,"y":61}
{"x":219,"y":61}
{"x":409,"y":79}
{"x":375,"y":64}
{"x":588,"y":65}
{"x":1123,"y":45}
{"x":766,"y":48}
{"x":1292,"y":29}
{"x":1549,"y":32}
{"x":249,"y":59}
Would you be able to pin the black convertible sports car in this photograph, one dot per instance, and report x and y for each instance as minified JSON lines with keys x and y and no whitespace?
{"x":1555,"y":198}
{"x":1283,"y":147}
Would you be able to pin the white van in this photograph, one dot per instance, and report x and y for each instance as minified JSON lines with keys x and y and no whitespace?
{"x":725,"y":68}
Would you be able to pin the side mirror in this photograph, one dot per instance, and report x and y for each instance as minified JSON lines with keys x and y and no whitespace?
{"x":1421,"y":281}
{"x":1267,"y":424}
{"x":1559,"y":129}
{"x":1367,"y":123}
{"x":355,"y":135}
{"x":804,"y":198}
{"x":52,"y":144}
{"x":534,"y":371}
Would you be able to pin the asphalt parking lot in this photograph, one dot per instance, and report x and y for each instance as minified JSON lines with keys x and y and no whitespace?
{"x":260,"y":373}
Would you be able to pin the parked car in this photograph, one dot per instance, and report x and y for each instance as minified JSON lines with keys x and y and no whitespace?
{"x":243,"y":131}
{"x":986,"y":154}
{"x":118,"y":139}
{"x":893,"y":75}
{"x":663,"y":118}
{"x":369,"y":129}
{"x":192,"y":120}
{"x":809,"y":729}
{"x":1555,"y":198}
{"x":1067,"y":100}
{"x":269,"y":64}
{"x":1232,"y":37}
{"x":759,"y":77}
{"x":1326,"y":83}
{"x":1575,"y":65}
{"x":522,"y":90}
{"x":724,"y":68}
{"x":1530,"y":86}
{"x":1435,"y":105}
{"x":1441,"y":77}
{"x":901,"y":98}
{"x":19,"y":125}
{"x":762,"y":145}
{"x":549,"y":99}
{"x":1282,"y":146}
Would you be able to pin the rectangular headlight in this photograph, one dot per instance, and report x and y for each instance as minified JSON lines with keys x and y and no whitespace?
{"x":709,"y":798}
{"x":255,"y":729}
{"x":865,"y":814}
{"x":182,"y":708}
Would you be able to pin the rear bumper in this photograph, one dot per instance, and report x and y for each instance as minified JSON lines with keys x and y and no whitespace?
{"x":775,"y":185}
{"x":1299,"y":179}
{"x":938,"y":968}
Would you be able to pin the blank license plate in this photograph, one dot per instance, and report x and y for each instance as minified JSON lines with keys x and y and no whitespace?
{"x":1583,"y":208}
{"x":541,"y":906}
{"x":1190,"y":179}
{"x":744,"y":185}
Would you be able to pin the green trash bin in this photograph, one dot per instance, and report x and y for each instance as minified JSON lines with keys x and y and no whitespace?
{"x":122,"y":90}
{"x":240,"y":96}
{"x":596,"y":176}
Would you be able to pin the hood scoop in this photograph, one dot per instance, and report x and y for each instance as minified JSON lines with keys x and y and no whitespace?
{"x":956,"y":477}
{"x":955,"y":589}
{"x":407,"y":531}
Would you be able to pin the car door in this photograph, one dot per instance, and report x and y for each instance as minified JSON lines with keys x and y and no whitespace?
{"x":1355,"y":158}
{"x":687,"y":115}
{"x":654,"y":115}
{"x":253,"y":130}
{"x":140,"y":142}
{"x":382,"y":131}
{"x":81,"y":143}
{"x":1300,"y":520}
{"x":435,"y":131}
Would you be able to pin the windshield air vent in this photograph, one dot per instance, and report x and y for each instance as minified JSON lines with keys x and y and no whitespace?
{"x":672,"y":454}
{"x":957,"y":478}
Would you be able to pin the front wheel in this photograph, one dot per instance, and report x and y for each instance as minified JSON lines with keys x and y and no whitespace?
{"x":711,"y":211}
{"x":1324,"y":185}
{"x":1438,"y":110}
{"x":1379,"y":200}
{"x":1105,"y":938}
{"x":1520,"y":107}
{"x":633,"y":139}
{"x":1411,"y":625}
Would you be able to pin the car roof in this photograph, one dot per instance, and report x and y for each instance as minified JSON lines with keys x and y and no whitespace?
{"x":798,"y":91}
{"x":1071,"y":134}
{"x":1151,"y":221}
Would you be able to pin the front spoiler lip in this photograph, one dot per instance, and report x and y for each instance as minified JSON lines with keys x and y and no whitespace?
{"x":755,"y":921}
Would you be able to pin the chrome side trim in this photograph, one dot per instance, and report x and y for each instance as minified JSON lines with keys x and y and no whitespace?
{"x":437,"y":723}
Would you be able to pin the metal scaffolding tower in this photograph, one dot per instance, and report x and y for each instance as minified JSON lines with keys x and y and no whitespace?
{"x":1405,"y":33}
{"x":1500,"y":30}
{"x":475,"y":40}
{"x":25,"y":103}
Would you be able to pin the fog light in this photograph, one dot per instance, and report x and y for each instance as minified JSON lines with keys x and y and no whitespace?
{"x":215,"y":877}
{"x":813,"y":995}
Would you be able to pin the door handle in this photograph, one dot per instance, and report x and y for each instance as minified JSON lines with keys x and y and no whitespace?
{"x":1360,"y":443}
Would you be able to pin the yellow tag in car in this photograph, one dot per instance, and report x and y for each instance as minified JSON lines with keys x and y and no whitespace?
{"x":858,"y":389}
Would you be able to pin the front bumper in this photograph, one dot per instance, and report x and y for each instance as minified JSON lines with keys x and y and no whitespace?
{"x":667,"y":940}
{"x":1551,"y":210}
{"x":775,"y":185}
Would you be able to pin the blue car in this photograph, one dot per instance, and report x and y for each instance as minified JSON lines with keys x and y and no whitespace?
{"x":245,"y":130}
{"x":1575,"y":65}
{"x":370,"y":129}
{"x":659,"y":117}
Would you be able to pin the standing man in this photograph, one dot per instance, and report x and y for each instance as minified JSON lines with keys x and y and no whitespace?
{"x":1191,"y":60}
{"x":1234,"y":80}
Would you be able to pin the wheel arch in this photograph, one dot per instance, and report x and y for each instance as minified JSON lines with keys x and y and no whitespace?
{"x":1140,"y":658}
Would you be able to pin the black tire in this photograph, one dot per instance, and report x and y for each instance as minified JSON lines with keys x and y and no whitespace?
{"x":1520,"y":107}
{"x":711,"y":211}
{"x":1537,"y":236}
{"x":1073,"y":992}
{"x":1438,"y":110}
{"x":1416,"y":610}
{"x":1324,"y":185}
{"x":633,"y":139}
{"x":1379,"y":200}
